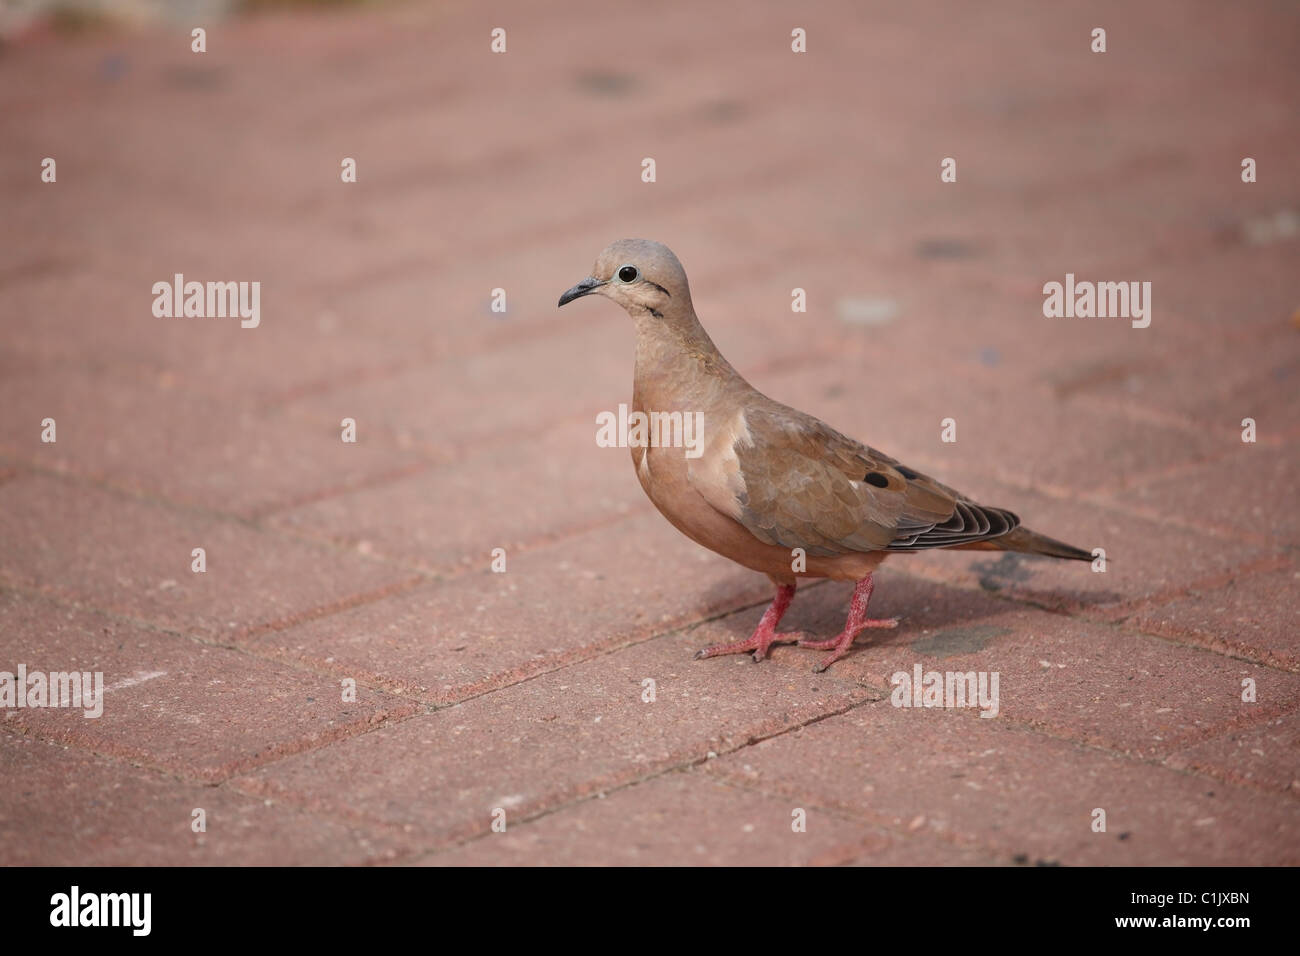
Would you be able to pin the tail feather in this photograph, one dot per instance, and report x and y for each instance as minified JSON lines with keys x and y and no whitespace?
{"x":1030,"y":542}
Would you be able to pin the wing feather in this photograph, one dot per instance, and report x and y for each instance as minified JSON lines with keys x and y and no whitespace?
{"x":804,"y":485}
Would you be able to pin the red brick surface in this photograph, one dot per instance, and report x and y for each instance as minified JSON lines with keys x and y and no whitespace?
{"x":563,"y":736}
{"x":234,"y":459}
{"x":123,"y":815}
{"x":1252,"y":616}
{"x":72,"y":540}
{"x":483,"y":630}
{"x":1265,"y":756}
{"x":178,"y":705}
{"x":1100,"y":685}
{"x":984,"y":783}
{"x":522,"y":690}
{"x":687,"y":819}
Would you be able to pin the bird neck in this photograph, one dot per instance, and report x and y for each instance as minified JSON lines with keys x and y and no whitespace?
{"x":676,"y":363}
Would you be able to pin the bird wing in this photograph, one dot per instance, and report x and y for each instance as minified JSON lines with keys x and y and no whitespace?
{"x":802,"y":484}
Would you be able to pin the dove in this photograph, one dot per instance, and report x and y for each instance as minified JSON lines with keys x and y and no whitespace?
{"x":765,"y":479}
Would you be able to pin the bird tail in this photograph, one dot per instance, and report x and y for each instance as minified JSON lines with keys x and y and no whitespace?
{"x":1030,"y":542}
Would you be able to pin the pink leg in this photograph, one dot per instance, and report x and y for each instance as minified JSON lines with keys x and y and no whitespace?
{"x":857,"y":621}
{"x":765,"y":635}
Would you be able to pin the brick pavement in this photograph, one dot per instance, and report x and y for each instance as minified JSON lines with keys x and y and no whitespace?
{"x":522,"y":692}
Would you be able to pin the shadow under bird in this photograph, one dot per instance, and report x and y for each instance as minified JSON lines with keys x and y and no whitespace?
{"x":769,"y":478}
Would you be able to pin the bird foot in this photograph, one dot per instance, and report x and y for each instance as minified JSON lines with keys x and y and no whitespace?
{"x":840,"y":644}
{"x":759,"y":643}
{"x":837,"y":639}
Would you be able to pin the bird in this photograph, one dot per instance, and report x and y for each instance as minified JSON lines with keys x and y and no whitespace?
{"x":766,"y":485}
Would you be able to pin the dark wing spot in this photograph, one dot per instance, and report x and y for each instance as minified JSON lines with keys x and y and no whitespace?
{"x":908,"y":473}
{"x":877,"y":479}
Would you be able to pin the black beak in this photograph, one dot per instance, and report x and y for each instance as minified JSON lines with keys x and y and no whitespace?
{"x":585,"y":287}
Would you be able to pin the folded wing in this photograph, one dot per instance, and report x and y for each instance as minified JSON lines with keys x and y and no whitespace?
{"x":805,"y":485}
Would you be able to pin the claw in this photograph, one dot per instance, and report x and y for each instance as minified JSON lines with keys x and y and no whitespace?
{"x":759,"y":644}
{"x":764,"y":636}
{"x":857,"y":622}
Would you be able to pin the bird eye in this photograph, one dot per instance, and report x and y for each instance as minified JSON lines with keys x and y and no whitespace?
{"x":628,"y":274}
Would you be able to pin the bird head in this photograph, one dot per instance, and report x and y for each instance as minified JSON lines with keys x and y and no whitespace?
{"x":643,"y":277}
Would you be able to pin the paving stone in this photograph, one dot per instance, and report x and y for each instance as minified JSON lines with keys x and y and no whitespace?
{"x":81,"y":543}
{"x":169,"y":702}
{"x":1264,"y":756}
{"x":685,"y":819}
{"x":557,"y":483}
{"x":484,"y":630}
{"x":540,"y":744}
{"x":1095,"y":683}
{"x":979,"y":783}
{"x":164,"y":442}
{"x":65,"y":807}
{"x":1252,"y":616}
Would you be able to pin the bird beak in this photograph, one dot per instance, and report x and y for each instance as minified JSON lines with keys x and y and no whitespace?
{"x":585,"y":287}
